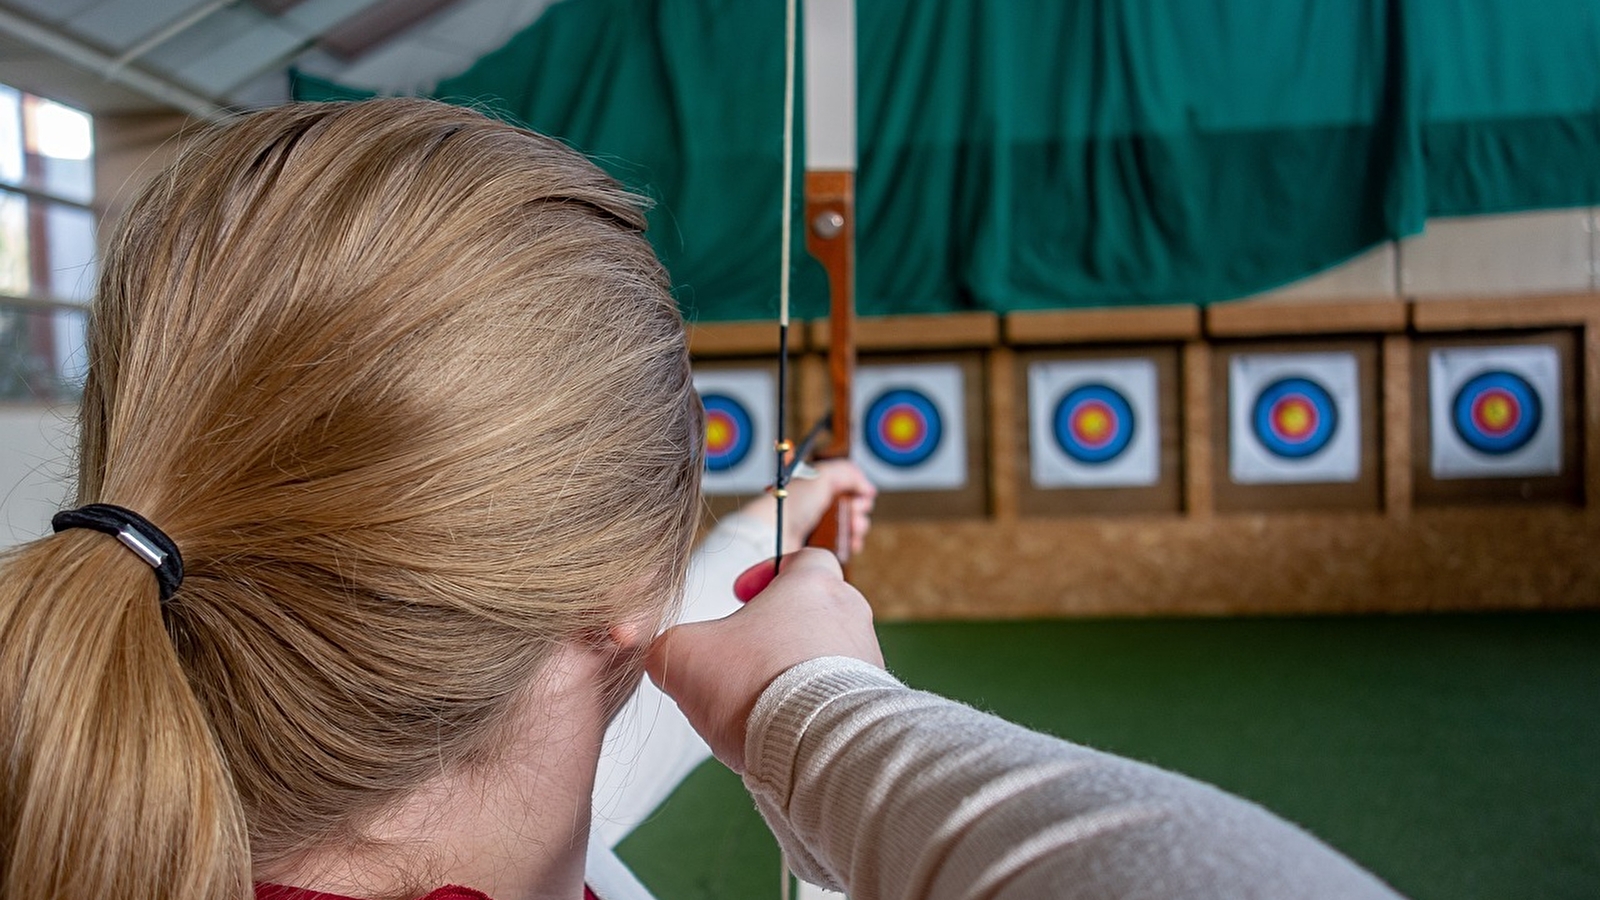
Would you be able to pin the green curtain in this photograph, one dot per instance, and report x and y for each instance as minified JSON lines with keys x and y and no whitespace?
{"x":1058,"y":153}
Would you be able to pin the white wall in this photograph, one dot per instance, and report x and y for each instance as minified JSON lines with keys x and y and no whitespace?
{"x":36,"y":445}
{"x":1550,"y":251}
{"x":1544,"y":252}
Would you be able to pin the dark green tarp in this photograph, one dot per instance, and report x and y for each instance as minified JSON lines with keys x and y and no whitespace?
{"x":1057,"y":153}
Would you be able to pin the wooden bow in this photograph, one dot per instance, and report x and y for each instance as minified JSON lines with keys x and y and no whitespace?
{"x":830,"y":223}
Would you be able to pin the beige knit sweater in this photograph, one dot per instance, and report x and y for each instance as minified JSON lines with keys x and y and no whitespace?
{"x":887,"y":792}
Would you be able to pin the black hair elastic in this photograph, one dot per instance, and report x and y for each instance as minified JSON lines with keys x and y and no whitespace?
{"x":136,"y":532}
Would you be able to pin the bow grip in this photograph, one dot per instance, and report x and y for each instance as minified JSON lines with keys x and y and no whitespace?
{"x":833,"y":532}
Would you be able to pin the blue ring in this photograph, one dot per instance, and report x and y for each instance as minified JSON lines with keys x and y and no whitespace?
{"x":1321,"y":402}
{"x":1515,"y":439}
{"x":734,"y":455}
{"x":1120,"y":408}
{"x":930,"y":438}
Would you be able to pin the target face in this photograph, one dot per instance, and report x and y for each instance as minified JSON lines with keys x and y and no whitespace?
{"x":903,"y":427}
{"x":1094,"y":424}
{"x":910,"y":426}
{"x":740,"y":419}
{"x":1294,"y":418}
{"x":1495,"y":411}
{"x":728,"y":430}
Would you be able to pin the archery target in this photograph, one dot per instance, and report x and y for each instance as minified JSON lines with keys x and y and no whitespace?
{"x":740,"y":429}
{"x":728,"y":427}
{"x":910,"y":426}
{"x":1495,"y":411}
{"x":1093,"y":423}
{"x":1294,"y":418}
{"x":903,"y":427}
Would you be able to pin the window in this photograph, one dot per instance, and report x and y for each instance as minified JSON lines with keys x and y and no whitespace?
{"x":47,"y":247}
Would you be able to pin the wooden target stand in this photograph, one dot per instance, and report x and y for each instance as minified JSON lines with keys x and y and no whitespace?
{"x":1195,"y":543}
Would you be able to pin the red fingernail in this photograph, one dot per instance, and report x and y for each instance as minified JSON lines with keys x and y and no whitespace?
{"x":753,"y":581}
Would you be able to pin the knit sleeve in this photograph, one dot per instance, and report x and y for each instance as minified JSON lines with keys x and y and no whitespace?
{"x":886,"y":792}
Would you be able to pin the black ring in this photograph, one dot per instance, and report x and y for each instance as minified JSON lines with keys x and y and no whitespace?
{"x":115,"y":520}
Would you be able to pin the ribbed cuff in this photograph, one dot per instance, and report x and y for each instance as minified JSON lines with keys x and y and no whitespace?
{"x":787,"y":706}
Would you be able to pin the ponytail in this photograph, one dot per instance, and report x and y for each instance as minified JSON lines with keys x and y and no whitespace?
{"x":114,"y":783}
{"x":407,"y":386}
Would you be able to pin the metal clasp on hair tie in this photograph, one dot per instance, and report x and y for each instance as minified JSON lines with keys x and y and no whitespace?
{"x":135,"y":532}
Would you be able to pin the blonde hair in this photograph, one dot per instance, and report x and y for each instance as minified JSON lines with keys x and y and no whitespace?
{"x":407,"y":387}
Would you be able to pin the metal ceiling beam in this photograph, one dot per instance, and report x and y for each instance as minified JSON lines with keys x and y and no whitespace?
{"x":169,"y":31}
{"x":83,"y":56}
{"x":275,"y":7}
{"x":355,"y":36}
{"x":272,"y":45}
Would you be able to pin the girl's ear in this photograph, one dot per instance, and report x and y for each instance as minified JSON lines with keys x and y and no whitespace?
{"x":630,"y":636}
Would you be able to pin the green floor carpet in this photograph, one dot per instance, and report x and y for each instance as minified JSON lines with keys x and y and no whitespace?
{"x":1456,"y":756}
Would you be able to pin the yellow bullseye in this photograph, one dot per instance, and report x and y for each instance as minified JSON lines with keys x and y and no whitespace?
{"x":1497,"y":413}
{"x":1294,"y":419}
{"x":717,"y":433}
{"x":1093,"y":424}
{"x":903,"y":428}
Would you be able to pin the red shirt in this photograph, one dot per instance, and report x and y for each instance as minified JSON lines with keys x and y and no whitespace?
{"x":448,"y":892}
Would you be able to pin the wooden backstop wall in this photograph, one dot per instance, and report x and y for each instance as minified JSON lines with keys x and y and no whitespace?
{"x":1394,"y":541}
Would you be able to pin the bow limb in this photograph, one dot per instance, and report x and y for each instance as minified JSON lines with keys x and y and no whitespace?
{"x":830,"y":222}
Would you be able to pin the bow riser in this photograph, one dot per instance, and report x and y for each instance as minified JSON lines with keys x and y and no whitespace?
{"x":830,"y":238}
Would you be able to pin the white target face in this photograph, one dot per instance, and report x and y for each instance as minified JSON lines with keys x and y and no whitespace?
{"x":1495,"y":412}
{"x":740,"y":429}
{"x":1294,"y":418}
{"x":910,"y":424}
{"x":1093,"y":423}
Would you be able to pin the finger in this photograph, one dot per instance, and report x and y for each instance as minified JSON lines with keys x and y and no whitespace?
{"x":860,"y":524}
{"x":755,"y":579}
{"x":845,"y":477}
{"x":861,"y":511}
{"x":866,"y":502}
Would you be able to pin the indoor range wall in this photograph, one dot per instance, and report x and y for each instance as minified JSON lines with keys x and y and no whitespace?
{"x":1194,"y":540}
{"x":997,"y":547}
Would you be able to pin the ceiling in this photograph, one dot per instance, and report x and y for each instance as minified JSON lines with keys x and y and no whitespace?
{"x":210,"y":56}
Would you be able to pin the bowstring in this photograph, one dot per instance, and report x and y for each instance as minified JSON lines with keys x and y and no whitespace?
{"x":780,"y":483}
{"x":786,"y":230}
